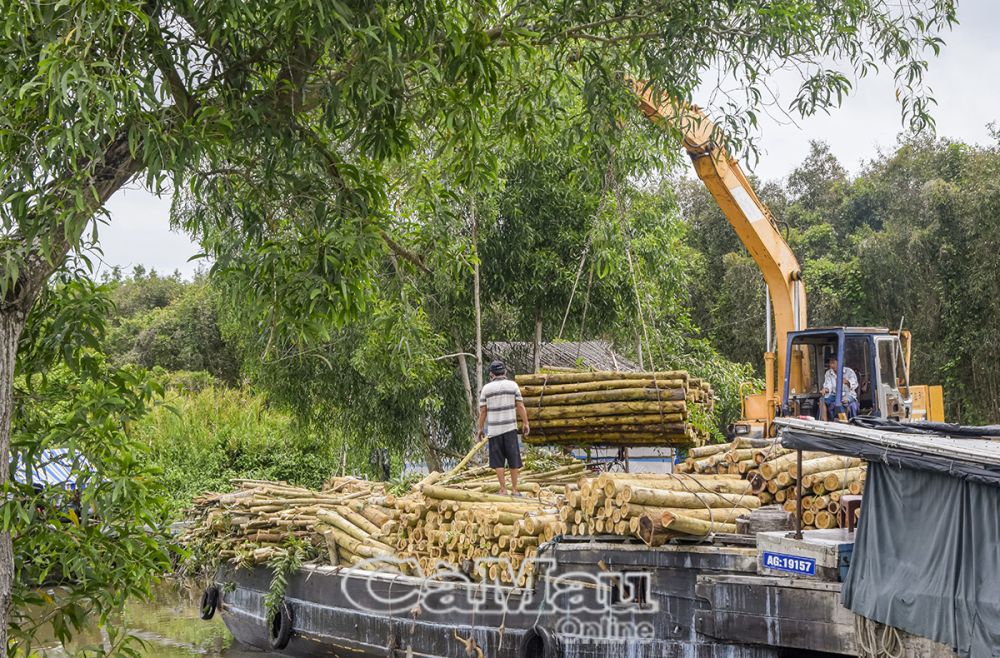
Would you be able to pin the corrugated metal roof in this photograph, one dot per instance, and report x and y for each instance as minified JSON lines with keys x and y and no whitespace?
{"x":588,"y":354}
{"x":975,"y":450}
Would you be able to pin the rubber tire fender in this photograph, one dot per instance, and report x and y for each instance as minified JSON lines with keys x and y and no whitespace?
{"x":280,"y":629}
{"x":528,"y":647}
{"x":209,"y":602}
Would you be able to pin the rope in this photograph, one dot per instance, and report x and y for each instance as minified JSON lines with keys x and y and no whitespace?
{"x":711,"y":514}
{"x":579,"y":273}
{"x":632,"y":272}
{"x":583,"y":321}
{"x":586,"y":248}
{"x":877,"y":640}
{"x":686,"y":477}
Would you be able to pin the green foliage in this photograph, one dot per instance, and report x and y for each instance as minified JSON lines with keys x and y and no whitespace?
{"x":142,"y":291}
{"x":106,"y":542}
{"x":171,"y":324}
{"x":403,"y":484}
{"x":283,"y":564}
{"x":280,"y":126}
{"x":200,"y":441}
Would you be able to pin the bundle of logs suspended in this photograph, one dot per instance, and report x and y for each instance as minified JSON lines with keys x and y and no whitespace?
{"x":773,"y":473}
{"x":616,"y":408}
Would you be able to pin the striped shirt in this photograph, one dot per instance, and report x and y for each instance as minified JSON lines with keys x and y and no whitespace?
{"x":499,"y":397}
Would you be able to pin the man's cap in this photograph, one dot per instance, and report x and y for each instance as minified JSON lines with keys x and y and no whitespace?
{"x":498,"y":368}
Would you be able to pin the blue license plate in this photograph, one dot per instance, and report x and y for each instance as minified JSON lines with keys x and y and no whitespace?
{"x":791,"y":563}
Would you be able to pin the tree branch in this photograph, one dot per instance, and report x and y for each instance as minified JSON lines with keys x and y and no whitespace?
{"x":291,"y":81}
{"x":115,"y":168}
{"x":168,"y":67}
{"x":404,"y":253}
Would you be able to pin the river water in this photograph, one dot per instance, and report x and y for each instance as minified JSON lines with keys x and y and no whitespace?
{"x":170,"y":627}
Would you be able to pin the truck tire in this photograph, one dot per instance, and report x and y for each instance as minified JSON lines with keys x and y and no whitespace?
{"x":538,"y":642}
{"x":280,"y":631}
{"x":209,"y":602}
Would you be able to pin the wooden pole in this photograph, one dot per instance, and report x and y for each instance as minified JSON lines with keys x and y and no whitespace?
{"x":601,"y":385}
{"x":475,"y":295}
{"x":465,"y":460}
{"x":607,"y":408}
{"x":798,"y":497}
{"x":463,"y":369}
{"x":574,"y":377}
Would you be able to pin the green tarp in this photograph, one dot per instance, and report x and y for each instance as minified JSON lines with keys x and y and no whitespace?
{"x":927,"y":557}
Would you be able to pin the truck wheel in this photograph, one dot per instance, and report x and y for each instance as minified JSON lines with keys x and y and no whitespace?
{"x":209,"y":602}
{"x":281,"y":626}
{"x":538,"y":642}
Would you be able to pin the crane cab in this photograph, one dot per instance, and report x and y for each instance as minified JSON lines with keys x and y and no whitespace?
{"x":877,"y":357}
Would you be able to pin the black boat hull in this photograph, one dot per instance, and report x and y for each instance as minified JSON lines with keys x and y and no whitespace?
{"x":361,"y":614}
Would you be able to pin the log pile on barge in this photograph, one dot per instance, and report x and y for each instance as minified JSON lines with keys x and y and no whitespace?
{"x":656,"y":507}
{"x":457,"y":518}
{"x":773,"y":474}
{"x":256,"y":521}
{"x":617,"y":408}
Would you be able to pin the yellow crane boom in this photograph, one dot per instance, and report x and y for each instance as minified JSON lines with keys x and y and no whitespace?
{"x":749,"y":217}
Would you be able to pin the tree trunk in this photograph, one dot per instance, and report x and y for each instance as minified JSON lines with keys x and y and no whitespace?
{"x":538,"y":340}
{"x":475,"y":297}
{"x":433,"y":461}
{"x":11,"y":325}
{"x":463,"y":369}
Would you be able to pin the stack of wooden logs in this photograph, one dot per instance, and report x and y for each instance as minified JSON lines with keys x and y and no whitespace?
{"x":616,"y":408}
{"x":455,"y":518}
{"x":250,"y":525}
{"x":460,"y":521}
{"x":773,"y":473}
{"x":656,"y":507}
{"x":462,"y":528}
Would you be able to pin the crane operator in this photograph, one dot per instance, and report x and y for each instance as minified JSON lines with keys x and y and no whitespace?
{"x":849,"y":403}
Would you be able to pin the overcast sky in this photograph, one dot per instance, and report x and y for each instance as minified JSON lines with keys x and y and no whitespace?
{"x":963,"y":80}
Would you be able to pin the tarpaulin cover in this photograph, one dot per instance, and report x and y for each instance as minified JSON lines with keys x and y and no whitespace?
{"x":927,"y":558}
{"x":897,"y":457}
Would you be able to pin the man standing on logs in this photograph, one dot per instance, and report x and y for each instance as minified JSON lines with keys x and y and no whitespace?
{"x":500,"y":404}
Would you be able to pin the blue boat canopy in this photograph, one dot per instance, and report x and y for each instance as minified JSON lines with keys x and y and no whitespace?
{"x":54,"y":468}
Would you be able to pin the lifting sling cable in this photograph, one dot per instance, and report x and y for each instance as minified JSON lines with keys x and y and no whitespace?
{"x":586,"y":248}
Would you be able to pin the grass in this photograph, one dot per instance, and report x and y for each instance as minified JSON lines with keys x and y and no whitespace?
{"x":203,"y":439}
